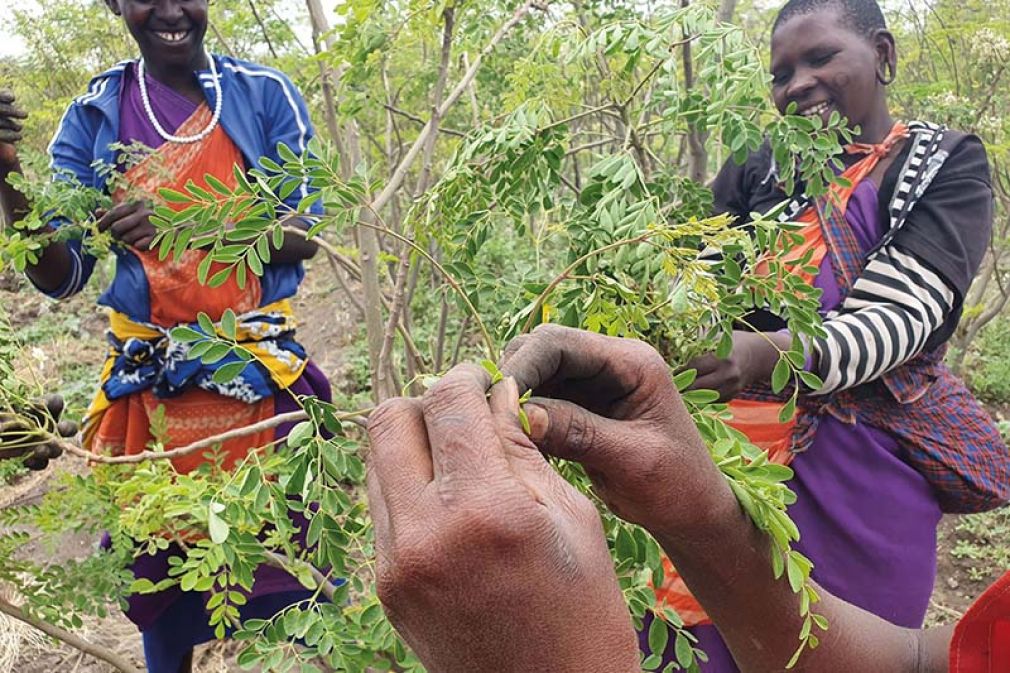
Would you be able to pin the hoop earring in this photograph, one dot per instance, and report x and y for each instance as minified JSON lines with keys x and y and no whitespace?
{"x":889,"y":78}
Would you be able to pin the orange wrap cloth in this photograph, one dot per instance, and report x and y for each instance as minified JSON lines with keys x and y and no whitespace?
{"x":123,"y":425}
{"x":757,"y":419}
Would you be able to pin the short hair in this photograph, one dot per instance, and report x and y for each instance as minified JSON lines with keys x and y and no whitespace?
{"x":861,"y":16}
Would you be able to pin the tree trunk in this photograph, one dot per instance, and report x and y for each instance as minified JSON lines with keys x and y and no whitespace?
{"x":727,"y":9}
{"x":697,"y":153}
{"x":368,"y":240}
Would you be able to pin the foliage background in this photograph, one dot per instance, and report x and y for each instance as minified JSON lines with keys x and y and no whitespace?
{"x":952,"y":68}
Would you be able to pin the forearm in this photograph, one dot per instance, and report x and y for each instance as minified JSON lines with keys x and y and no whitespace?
{"x":13,"y":204}
{"x":758,"y":616}
{"x":54,"y":262}
{"x":295,"y":248}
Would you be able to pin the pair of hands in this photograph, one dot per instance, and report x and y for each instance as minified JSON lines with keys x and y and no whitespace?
{"x":486,"y":558}
{"x":129,"y":223}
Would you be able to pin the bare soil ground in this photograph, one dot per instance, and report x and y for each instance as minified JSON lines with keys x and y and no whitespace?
{"x":70,"y":352}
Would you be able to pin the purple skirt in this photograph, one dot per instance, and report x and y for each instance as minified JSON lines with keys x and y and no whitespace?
{"x":172,"y":622}
{"x":868,"y":522}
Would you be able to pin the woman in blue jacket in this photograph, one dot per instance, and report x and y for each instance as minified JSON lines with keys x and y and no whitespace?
{"x":201,"y":114}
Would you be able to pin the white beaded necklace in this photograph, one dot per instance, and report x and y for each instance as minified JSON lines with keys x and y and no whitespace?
{"x":146,"y":99}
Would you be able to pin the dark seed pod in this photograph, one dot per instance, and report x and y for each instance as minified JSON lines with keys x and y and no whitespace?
{"x":66,"y":428}
{"x":54,"y":405}
{"x":52,"y":450}
{"x":36,"y":462}
{"x":6,"y":454}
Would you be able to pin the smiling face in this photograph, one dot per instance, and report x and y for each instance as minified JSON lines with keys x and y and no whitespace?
{"x":169,"y":32}
{"x":822,"y":65}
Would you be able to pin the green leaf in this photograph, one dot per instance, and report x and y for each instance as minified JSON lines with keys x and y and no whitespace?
{"x":255,"y":265}
{"x":492,"y":369}
{"x":780,"y":375}
{"x":659,"y":635}
{"x":172,"y":196}
{"x":301,"y":434}
{"x":206,"y":324}
{"x":625,"y":545}
{"x":228,"y":372}
{"x":220,"y":278}
{"x":185,"y":335}
{"x":215,"y":353}
{"x":215,"y":184}
{"x":217,"y":527}
{"x":811,"y":380}
{"x":788,"y":410}
{"x":228,"y":324}
{"x":684,"y":379}
{"x":683,"y":651}
{"x":795,"y":574}
{"x":285,"y":154}
{"x":141,"y":585}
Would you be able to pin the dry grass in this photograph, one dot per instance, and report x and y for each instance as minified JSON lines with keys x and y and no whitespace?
{"x":17,"y":639}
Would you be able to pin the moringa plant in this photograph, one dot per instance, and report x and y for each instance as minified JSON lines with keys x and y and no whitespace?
{"x":579,"y":198}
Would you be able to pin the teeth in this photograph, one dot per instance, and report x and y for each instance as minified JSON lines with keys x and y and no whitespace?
{"x":172,"y":37}
{"x":816,"y":110}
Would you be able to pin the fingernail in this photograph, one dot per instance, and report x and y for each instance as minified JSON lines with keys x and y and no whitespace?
{"x":539,"y":421}
{"x":512,"y":388}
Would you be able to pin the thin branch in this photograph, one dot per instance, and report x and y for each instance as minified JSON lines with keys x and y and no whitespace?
{"x":263,"y":28}
{"x":338,"y":274}
{"x":75,"y":641}
{"x":291,"y":417}
{"x":294,"y":35}
{"x":417,"y":120}
{"x":396,"y":180}
{"x":331,"y":250}
{"x":284,"y":563}
{"x":399,"y":295}
{"x":193,"y":447}
{"x":224,"y":42}
{"x":459,"y":340}
{"x":488,"y":341}
{"x":563,"y":276}
{"x":580,"y":115}
{"x":592,"y":146}
{"x":472,"y":90}
{"x":655,"y":69}
{"x":449,"y":17}
{"x":443,"y":323}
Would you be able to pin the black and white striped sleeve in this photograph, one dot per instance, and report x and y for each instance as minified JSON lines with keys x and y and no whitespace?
{"x":909,"y":297}
{"x":894,"y":308}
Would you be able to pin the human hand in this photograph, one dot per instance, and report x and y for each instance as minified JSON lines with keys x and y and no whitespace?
{"x":752,"y":359}
{"x":486,"y":559}
{"x":130,"y":223}
{"x":19,"y":432}
{"x":611,"y":405}
{"x":10,"y":131}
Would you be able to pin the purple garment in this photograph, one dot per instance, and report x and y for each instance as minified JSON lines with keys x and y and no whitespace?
{"x":170,"y":107}
{"x":867,"y":519}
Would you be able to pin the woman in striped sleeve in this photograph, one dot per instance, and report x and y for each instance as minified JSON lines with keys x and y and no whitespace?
{"x":892,"y":439}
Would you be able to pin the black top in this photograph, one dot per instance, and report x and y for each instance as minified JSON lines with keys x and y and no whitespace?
{"x":948,"y":230}
{"x":909,"y":297}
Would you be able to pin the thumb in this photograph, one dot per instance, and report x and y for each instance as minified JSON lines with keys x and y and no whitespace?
{"x":565,"y":430}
